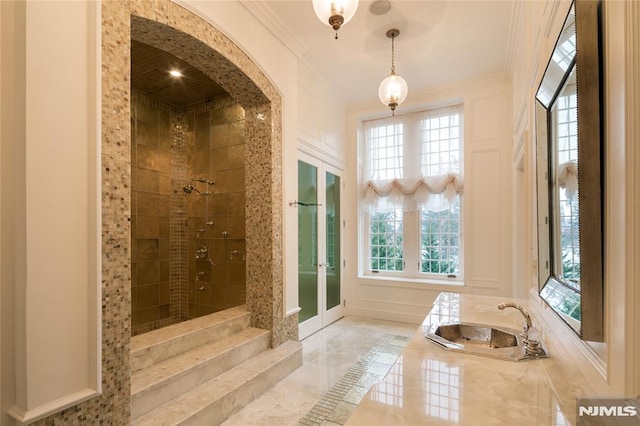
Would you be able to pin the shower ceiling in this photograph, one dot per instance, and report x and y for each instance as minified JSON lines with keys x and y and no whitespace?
{"x":150,"y":74}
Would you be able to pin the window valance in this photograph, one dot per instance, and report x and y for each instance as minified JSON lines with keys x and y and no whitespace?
{"x":433,"y":193}
{"x":567,"y":178}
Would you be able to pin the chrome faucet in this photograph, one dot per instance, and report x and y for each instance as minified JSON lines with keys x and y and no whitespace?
{"x":532,"y":347}
{"x":524,"y":313}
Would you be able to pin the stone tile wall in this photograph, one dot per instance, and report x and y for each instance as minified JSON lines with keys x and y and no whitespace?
{"x":151,"y":189}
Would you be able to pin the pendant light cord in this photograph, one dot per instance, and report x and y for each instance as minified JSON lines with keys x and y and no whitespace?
{"x":393,"y":66}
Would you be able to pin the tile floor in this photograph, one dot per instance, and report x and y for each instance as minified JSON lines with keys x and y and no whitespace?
{"x":340,"y":362}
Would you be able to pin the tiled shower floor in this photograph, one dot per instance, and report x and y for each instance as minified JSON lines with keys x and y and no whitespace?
{"x":340,"y":363}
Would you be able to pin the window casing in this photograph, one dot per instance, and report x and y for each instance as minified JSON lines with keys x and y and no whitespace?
{"x":409,"y":232}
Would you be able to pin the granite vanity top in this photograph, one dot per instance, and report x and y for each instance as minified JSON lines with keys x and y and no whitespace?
{"x":431,"y":385}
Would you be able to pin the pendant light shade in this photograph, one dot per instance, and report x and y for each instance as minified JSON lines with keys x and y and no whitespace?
{"x":335,"y":13}
{"x":393,"y":90}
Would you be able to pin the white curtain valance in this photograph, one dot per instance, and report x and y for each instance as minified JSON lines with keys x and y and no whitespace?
{"x":567,"y":178}
{"x":433,"y":193}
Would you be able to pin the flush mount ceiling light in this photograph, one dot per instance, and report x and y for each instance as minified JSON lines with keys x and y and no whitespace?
{"x":175,"y":73}
{"x":393,"y":89}
{"x":335,"y":13}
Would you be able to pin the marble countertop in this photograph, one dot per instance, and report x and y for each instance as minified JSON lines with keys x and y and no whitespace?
{"x":431,"y":385}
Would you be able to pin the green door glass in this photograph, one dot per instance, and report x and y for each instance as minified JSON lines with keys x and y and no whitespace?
{"x":307,"y":241}
{"x":333,"y":240}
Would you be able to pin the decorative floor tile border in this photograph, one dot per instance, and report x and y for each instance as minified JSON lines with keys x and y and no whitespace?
{"x":343,"y":398}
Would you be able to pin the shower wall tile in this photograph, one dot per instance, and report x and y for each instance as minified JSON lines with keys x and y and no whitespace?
{"x":236,"y":227}
{"x":164,"y":274}
{"x":146,"y":133}
{"x":147,"y":204}
{"x":146,"y":180}
{"x":219,"y":204}
{"x":147,"y":295}
{"x":164,"y":311}
{"x":163,"y":293}
{"x":229,"y":180}
{"x":228,"y":157}
{"x":237,"y":273}
{"x":148,"y":250}
{"x":227,"y":114}
{"x":148,"y":272}
{"x":147,"y":157}
{"x":164,"y":227}
{"x":201,"y":165}
{"x":236,"y":204}
{"x":227,"y":134}
{"x":164,"y":184}
{"x":134,"y":275}
{"x":147,"y":227}
{"x":164,"y":205}
{"x":164,"y":249}
{"x":147,"y":114}
{"x":164,"y":160}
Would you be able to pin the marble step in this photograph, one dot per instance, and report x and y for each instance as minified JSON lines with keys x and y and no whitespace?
{"x":217,"y":399}
{"x":156,"y":346}
{"x":160,"y":383}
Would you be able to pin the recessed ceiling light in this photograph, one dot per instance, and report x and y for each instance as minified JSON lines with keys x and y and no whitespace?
{"x":175,"y":73}
{"x":380,"y":7}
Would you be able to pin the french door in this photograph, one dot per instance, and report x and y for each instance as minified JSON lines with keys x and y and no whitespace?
{"x":320,"y":294}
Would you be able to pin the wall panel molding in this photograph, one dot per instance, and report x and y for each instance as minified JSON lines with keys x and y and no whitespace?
{"x":58,"y":304}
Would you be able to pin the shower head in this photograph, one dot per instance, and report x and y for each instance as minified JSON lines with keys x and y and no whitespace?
{"x":190,"y":188}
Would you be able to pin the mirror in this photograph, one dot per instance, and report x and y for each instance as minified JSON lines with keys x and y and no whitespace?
{"x":568,"y":150}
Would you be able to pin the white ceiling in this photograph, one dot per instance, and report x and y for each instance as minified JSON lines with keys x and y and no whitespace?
{"x":440,"y":42}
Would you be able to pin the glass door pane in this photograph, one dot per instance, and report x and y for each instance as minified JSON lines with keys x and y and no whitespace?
{"x":307,"y":241}
{"x":332,"y":240}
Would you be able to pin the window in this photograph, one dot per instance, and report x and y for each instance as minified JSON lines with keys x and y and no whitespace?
{"x":412,"y":206}
{"x":566,"y":121}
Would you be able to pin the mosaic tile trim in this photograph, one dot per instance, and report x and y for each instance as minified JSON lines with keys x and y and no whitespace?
{"x":338,"y":404}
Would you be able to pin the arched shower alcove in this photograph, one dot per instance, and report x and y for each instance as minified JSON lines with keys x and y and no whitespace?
{"x":173,"y":29}
{"x":214,"y":55}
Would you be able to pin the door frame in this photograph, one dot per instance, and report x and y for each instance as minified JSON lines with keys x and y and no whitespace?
{"x":324,"y":316}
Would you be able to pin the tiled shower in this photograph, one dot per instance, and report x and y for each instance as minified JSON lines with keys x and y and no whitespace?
{"x":188,"y":210}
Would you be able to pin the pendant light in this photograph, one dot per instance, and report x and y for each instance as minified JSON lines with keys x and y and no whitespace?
{"x":393,"y":89}
{"x":335,"y":13}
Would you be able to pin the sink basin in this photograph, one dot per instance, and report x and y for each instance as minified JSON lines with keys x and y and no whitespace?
{"x":479,"y":339}
{"x":477,"y":335}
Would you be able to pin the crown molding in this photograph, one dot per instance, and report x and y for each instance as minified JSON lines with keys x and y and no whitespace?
{"x":514,"y":36}
{"x":265,"y":15}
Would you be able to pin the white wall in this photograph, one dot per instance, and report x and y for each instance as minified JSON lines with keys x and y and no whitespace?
{"x":487,"y":203}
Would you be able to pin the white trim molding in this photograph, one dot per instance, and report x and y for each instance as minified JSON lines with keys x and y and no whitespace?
{"x":24,"y":417}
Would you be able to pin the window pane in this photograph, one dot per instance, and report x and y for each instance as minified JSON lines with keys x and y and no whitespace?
{"x":440,"y":241}
{"x":440,"y":144}
{"x":386,"y":241}
{"x":385,"y":144}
